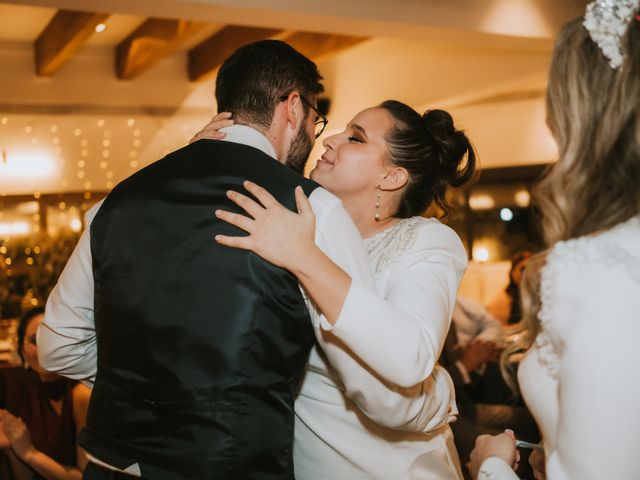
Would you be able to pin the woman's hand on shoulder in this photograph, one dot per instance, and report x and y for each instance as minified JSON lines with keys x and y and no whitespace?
{"x":211,"y":129}
{"x":502,"y":446}
{"x":277,"y":234}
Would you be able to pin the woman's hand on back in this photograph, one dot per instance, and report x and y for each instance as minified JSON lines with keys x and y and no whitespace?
{"x":277,"y":234}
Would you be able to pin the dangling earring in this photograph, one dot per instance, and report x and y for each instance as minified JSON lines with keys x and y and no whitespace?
{"x":377,"y":216}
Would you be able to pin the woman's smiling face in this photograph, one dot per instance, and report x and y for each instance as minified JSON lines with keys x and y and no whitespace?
{"x":354,"y":160}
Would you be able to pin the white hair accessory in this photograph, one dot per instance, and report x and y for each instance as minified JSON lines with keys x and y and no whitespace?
{"x":607,"y":22}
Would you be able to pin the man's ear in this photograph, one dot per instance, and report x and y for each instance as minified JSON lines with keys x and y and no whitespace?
{"x":293,"y":109}
{"x":395,"y":178}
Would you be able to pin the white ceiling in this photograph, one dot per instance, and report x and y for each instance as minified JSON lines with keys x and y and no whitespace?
{"x":484,"y":60}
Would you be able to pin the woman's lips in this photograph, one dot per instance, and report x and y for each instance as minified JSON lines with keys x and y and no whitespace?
{"x":325,"y":160}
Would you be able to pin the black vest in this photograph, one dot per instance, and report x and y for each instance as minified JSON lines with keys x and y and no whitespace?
{"x":200,"y":347}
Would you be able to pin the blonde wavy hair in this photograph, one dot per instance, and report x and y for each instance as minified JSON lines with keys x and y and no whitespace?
{"x":593,"y":112}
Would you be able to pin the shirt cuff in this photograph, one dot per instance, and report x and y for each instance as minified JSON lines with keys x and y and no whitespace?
{"x":495,"y":468}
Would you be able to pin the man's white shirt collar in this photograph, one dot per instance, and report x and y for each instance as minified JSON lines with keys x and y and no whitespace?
{"x":250,"y":137}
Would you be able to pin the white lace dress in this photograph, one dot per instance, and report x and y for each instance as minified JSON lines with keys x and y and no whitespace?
{"x":391,"y":425}
{"x":581,"y":379}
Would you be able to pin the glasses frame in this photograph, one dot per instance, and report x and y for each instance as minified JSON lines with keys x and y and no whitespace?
{"x":322,"y":119}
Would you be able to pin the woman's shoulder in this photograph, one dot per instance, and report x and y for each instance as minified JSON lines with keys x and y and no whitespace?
{"x":613,"y":250}
{"x":434,"y":237}
{"x":588,"y":278}
{"x":17,"y":376}
{"x":15,"y":383}
{"x":411,"y":238}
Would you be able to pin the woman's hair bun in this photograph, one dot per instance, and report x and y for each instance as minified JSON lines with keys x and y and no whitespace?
{"x":438,"y":123}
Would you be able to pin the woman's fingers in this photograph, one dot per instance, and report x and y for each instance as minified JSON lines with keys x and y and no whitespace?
{"x":250,"y":206}
{"x":302,"y":202}
{"x":211,"y":130}
{"x":245,"y":243}
{"x":237,"y":220}
{"x":209,"y":135}
{"x":262,"y":195}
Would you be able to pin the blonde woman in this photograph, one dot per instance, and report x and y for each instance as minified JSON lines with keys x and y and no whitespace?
{"x":580,"y":377}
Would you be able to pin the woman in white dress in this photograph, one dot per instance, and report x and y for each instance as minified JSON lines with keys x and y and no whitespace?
{"x":374,"y":404}
{"x":580,"y":377}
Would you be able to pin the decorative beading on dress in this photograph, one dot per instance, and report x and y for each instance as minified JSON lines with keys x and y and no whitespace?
{"x":385,"y":247}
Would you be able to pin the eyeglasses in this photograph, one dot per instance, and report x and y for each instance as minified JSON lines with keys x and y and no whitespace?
{"x":321,"y":123}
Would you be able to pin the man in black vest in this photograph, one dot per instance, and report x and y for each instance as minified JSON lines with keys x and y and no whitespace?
{"x":195,"y":350}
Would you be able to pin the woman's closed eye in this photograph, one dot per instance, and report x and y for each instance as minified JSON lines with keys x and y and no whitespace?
{"x":356,"y":139}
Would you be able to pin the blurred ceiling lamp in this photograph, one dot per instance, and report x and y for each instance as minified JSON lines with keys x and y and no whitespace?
{"x":75,"y":225}
{"x":506,"y":214}
{"x":26,"y":165}
{"x":101,"y":27}
{"x":481,"y":254}
{"x":10,"y":229}
{"x":522,"y":198}
{"x":28,"y":208}
{"x":481,"y":201}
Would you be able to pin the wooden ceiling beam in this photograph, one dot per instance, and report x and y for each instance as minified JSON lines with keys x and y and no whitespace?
{"x":314,"y":45}
{"x":63,"y":36}
{"x":151,"y":42}
{"x":206,"y":58}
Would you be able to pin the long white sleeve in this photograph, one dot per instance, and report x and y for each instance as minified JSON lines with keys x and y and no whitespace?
{"x":424,"y":406}
{"x":596,"y":317}
{"x":400,"y":336}
{"x":66,"y":338}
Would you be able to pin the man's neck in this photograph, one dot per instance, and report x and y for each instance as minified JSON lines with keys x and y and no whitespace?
{"x":251,"y":136}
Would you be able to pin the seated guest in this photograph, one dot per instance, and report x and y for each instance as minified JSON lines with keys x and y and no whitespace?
{"x":474,"y":322}
{"x":506,"y":305}
{"x":40,"y":413}
{"x":485,"y":403}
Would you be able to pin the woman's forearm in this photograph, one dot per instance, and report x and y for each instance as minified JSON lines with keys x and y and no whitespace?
{"x":48,"y":468}
{"x":326,"y":283}
{"x":19,"y":469}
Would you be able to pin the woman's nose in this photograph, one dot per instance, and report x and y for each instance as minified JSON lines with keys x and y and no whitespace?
{"x":329,"y":142}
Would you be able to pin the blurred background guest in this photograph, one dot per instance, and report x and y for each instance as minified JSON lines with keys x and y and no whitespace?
{"x":485,"y":403}
{"x":41,"y":413}
{"x":505,"y":306}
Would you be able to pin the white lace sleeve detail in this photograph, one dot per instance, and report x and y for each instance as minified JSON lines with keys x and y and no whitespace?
{"x":608,"y":250}
{"x":385,"y":247}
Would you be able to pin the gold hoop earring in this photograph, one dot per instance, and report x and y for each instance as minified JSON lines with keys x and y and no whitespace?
{"x":377,"y":216}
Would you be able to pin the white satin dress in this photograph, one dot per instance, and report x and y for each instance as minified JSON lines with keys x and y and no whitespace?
{"x":381,"y":411}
